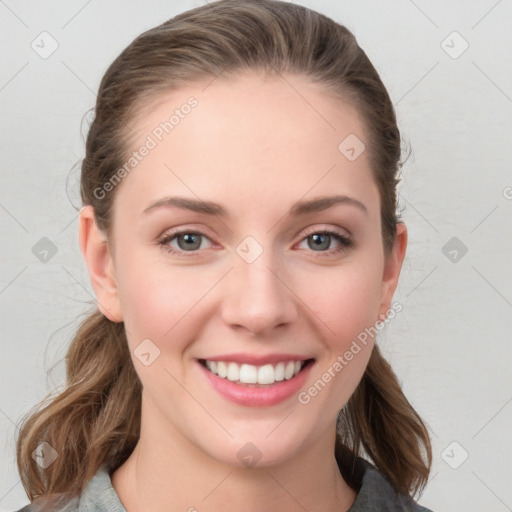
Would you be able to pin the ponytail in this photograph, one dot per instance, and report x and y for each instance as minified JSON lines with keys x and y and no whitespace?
{"x":379,"y":419}
{"x":95,"y":420}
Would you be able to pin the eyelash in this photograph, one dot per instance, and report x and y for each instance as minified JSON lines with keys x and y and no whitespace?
{"x":345,"y":242}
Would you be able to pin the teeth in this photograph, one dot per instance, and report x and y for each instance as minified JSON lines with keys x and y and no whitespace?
{"x":288,"y":370}
{"x":222,"y":369}
{"x":279,"y":372}
{"x":250,"y":374}
{"x":233,"y":372}
{"x":266,"y":374}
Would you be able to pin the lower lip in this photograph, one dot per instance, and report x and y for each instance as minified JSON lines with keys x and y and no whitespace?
{"x":257,"y":396}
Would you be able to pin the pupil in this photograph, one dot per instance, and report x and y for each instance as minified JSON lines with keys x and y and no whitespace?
{"x":190,"y":239}
{"x":316,"y":238}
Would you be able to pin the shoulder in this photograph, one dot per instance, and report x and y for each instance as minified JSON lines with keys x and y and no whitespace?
{"x":377,"y":494}
{"x":52,"y":504}
{"x":97,"y":496}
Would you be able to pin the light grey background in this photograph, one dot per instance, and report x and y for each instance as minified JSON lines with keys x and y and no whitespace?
{"x":451,"y":343}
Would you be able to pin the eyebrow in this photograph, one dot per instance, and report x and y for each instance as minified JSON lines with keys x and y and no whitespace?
{"x":210,"y":208}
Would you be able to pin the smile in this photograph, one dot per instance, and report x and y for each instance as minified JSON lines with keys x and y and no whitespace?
{"x":251,"y":374}
{"x":253,"y":385}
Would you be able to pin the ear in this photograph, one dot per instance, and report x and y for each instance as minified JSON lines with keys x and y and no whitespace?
{"x":392,"y":267}
{"x":96,"y":252}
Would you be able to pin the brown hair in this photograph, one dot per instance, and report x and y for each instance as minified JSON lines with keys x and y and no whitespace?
{"x":96,"y":419}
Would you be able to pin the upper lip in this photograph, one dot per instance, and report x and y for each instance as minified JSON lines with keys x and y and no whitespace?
{"x":257,"y":360}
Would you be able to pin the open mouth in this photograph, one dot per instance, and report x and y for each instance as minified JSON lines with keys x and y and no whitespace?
{"x":256,"y":376}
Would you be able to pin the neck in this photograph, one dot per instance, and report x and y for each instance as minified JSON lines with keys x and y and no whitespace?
{"x":166,"y":472}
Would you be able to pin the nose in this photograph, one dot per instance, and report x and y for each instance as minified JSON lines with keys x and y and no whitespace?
{"x":257,"y":297}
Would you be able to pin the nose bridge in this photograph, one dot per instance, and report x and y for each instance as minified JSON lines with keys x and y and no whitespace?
{"x":258,"y":299}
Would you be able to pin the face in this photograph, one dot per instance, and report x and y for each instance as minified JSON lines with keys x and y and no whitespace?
{"x":258,"y":285}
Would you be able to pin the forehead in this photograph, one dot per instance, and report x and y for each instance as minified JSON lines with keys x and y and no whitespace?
{"x":251,"y":140}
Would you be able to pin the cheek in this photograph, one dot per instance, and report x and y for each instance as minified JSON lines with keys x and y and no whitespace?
{"x":153,"y":299}
{"x":167,"y":304}
{"x":344,"y":300}
{"x":345,"y":310}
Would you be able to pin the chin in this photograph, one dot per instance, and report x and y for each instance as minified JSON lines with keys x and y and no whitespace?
{"x":258,"y":450}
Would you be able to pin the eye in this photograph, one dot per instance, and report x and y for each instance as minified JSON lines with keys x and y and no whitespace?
{"x":191,"y":242}
{"x":319,"y":240}
{"x":188,"y":241}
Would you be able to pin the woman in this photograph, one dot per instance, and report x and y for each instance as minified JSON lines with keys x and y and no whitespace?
{"x":240,"y":232}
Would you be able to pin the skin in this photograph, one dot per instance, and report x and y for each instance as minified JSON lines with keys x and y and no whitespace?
{"x":255,"y":145}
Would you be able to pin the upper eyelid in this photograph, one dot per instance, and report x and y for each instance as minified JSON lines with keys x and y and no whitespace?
{"x":339,"y":231}
{"x":172,"y":234}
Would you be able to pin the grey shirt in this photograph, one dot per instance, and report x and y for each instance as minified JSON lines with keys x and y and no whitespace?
{"x":375,"y":494}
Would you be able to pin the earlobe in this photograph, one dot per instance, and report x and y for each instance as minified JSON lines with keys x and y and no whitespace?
{"x":392,"y":267}
{"x":97,"y":255}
